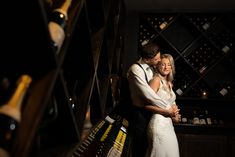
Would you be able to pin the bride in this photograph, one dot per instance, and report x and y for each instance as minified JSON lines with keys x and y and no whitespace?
{"x":161,"y":134}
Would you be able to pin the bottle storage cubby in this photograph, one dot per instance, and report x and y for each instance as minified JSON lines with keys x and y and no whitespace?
{"x":201,"y":90}
{"x":222,"y":36}
{"x":199,"y":42}
{"x":146,"y":32}
{"x":186,"y":76}
{"x":201,"y":55}
{"x":203,"y":21}
{"x":159,"y":21}
{"x":203,"y":118}
{"x":223,"y":83}
{"x":221,"y":118}
{"x":180,"y":33}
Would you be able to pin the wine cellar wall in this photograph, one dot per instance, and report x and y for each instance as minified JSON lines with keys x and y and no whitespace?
{"x":203,"y":47}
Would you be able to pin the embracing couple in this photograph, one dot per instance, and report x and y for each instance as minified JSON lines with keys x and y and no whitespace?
{"x":154,"y":108}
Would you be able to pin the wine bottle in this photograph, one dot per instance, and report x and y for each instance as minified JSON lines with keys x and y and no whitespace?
{"x":202,"y":119}
{"x":195,"y":117}
{"x":184,"y":118}
{"x":57,"y":24}
{"x":10,"y":115}
{"x":146,"y":41}
{"x":165,"y":22}
{"x":208,"y":118}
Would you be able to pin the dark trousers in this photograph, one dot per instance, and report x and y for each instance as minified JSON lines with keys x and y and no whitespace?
{"x":139,"y":119}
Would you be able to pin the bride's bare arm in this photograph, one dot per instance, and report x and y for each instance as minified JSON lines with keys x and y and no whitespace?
{"x":154,"y":83}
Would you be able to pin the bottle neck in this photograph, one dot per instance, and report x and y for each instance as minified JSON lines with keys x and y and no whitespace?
{"x":64,"y":8}
{"x":13,"y":107}
{"x":17,"y":97}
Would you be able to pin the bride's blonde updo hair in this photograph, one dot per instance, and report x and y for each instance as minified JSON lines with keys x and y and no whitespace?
{"x":170,"y":77}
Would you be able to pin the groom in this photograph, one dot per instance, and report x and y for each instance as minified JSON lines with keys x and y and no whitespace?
{"x":138,"y":76}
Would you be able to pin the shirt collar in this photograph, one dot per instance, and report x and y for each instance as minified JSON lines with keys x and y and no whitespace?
{"x":143,"y":64}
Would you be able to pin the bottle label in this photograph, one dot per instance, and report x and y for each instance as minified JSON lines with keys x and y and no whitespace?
{"x":163,"y":25}
{"x":225,"y":49}
{"x":206,"y":26}
{"x":57,"y":34}
{"x":223,"y":91}
{"x":179,"y":91}
{"x":144,"y":42}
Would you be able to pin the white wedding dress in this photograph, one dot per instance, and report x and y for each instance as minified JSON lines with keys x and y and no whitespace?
{"x":161,"y":134}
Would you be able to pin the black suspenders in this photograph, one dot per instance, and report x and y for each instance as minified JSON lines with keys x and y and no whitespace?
{"x":146,"y":78}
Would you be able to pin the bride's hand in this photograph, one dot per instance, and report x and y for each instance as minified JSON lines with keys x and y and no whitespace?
{"x":173,"y":111}
{"x":176,"y":110}
{"x":176,"y":118}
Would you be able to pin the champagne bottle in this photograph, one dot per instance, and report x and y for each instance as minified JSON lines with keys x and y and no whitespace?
{"x":58,"y":23}
{"x":10,"y":115}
